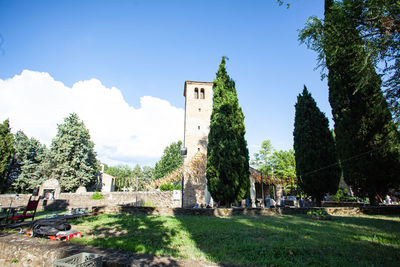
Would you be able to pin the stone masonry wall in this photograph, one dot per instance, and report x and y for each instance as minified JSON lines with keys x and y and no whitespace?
{"x":194,"y":191}
{"x":197,"y":126}
{"x":74,"y":200}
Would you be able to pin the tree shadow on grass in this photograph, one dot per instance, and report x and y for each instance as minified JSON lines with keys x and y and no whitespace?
{"x":371,"y":222}
{"x":288,"y":240}
{"x":139,"y":234}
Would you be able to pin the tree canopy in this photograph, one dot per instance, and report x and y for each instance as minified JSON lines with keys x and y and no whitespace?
{"x":6,"y":152}
{"x":377,"y":23}
{"x":170,"y":160}
{"x":317,"y":164}
{"x":261,"y":159}
{"x":227,"y":153}
{"x":73,"y":156}
{"x":126,"y":176}
{"x":30,"y":163}
{"x":279,"y":166}
{"x":283,"y":164}
{"x":367,"y":139}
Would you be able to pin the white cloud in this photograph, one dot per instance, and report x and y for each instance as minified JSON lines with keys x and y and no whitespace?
{"x":35,"y":103}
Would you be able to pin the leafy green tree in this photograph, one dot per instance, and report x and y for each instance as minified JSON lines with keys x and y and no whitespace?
{"x":73,"y":155}
{"x":119,"y":171}
{"x":30,"y":163}
{"x":271,"y":162}
{"x":283,"y":164}
{"x":261,"y":159}
{"x":126,"y":176}
{"x":170,"y":160}
{"x":227,"y":153}
{"x":140,"y":183}
{"x":147,"y":176}
{"x":367,"y":139}
{"x":6,"y":151}
{"x":317,"y":162}
{"x":279,"y":164}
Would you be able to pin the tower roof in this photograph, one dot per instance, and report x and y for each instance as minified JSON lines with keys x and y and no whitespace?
{"x":197,"y":83}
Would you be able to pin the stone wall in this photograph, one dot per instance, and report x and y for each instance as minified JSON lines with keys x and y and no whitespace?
{"x":74,"y":200}
{"x":341,"y":204}
{"x":194,"y":191}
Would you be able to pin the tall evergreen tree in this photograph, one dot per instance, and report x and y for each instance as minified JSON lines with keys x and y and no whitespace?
{"x":316,"y":158}
{"x":73,"y":155}
{"x":367,"y":139}
{"x":6,"y":151}
{"x":378,"y":22}
{"x":227,"y":153}
{"x":170,"y":160}
{"x":30,"y":163}
{"x":378,"y":25}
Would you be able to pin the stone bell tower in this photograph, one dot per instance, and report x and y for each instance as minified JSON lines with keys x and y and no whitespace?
{"x":198,"y":109}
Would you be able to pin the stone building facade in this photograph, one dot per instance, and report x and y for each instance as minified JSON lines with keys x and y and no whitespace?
{"x":198,"y":108}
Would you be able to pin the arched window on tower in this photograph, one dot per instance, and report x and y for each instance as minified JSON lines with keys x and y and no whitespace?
{"x":196,"y":93}
{"x":202,"y":94}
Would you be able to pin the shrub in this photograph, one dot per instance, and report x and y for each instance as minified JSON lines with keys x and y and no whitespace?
{"x":178,"y":187}
{"x":97,"y":195}
{"x":167,"y":187}
{"x":170,"y":187}
{"x":318,"y":213}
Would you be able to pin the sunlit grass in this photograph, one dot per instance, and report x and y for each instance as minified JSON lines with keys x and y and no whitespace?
{"x":279,"y":240}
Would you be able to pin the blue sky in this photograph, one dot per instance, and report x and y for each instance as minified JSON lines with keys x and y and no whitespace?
{"x":149,"y":48}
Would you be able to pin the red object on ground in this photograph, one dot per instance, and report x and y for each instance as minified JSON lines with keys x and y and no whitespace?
{"x":65,"y":237}
{"x":31,"y":207}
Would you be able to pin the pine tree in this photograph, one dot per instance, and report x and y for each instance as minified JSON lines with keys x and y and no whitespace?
{"x":30,"y":163}
{"x":316,"y":158}
{"x":6,"y":151}
{"x":73,"y":155}
{"x":367,"y":139}
{"x":227,"y":153}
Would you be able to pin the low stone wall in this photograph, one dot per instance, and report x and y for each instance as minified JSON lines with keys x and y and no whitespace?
{"x":342,"y":204}
{"x":83,"y":200}
{"x":162,"y":203}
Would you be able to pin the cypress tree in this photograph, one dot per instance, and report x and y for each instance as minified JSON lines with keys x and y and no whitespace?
{"x":367,"y":139}
{"x":316,"y":158}
{"x":227,"y":153}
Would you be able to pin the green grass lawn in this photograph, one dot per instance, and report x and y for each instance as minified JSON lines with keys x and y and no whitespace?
{"x":279,"y":240}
